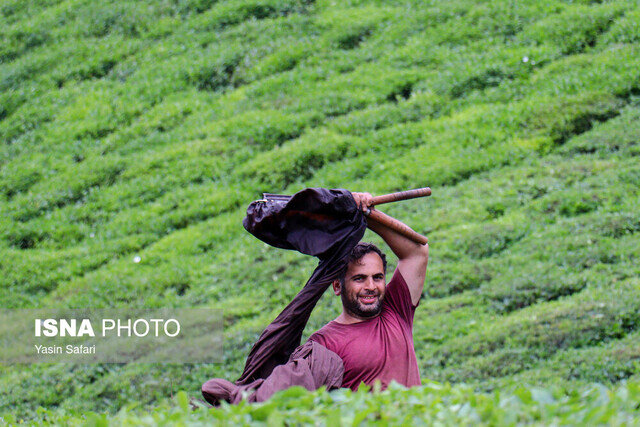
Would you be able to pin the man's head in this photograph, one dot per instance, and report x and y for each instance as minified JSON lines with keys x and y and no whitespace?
{"x":363,"y":286}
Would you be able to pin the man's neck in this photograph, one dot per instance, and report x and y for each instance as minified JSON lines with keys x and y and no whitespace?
{"x":349,"y":319}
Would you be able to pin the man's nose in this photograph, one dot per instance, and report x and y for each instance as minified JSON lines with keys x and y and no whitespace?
{"x":369,"y":284}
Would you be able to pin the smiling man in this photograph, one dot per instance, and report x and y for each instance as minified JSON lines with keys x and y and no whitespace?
{"x":374,"y":333}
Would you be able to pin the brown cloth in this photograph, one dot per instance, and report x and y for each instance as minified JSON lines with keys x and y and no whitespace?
{"x":315,"y":221}
{"x":310,"y":366}
{"x":324,"y":223}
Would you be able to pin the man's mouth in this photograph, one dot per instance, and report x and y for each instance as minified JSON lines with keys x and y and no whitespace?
{"x":368,"y":299}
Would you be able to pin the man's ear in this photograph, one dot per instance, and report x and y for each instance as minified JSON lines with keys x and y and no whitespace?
{"x":336,"y":287}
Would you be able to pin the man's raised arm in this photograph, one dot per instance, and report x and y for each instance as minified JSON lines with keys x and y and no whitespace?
{"x":412,"y":257}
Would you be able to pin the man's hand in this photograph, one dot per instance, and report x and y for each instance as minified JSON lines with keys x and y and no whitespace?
{"x":363,"y":200}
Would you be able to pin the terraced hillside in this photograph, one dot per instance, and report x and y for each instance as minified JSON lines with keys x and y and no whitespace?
{"x":144,"y":129}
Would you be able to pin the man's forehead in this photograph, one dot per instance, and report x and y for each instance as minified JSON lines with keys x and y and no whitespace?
{"x":370,"y":262}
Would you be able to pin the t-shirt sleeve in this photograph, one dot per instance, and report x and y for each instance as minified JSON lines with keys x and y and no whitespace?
{"x":398,"y":298}
{"x":317,"y":337}
{"x":325,"y":338}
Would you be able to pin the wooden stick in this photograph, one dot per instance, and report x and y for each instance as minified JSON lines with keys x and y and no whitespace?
{"x":396,"y":225}
{"x":402,"y":195}
{"x":378,"y":200}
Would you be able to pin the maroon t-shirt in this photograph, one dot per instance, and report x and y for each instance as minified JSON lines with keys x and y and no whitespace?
{"x":380,"y":348}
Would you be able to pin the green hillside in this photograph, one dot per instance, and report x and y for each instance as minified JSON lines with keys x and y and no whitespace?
{"x":144,"y":129}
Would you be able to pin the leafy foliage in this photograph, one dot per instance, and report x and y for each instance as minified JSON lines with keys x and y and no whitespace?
{"x":453,"y":406}
{"x":143,"y":129}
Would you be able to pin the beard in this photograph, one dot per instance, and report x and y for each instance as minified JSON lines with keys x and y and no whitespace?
{"x":353,"y":305}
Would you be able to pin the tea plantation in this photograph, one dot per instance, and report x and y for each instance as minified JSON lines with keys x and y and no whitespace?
{"x":143,"y":129}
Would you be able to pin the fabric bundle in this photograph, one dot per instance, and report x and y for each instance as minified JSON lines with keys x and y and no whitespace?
{"x":323,"y":223}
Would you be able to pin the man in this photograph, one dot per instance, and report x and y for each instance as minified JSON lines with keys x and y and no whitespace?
{"x":374,"y":333}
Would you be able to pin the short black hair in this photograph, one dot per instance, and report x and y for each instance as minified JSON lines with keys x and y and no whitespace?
{"x":360,"y":250}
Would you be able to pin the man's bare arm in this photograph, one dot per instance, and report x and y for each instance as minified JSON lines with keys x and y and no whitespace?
{"x":412,"y":257}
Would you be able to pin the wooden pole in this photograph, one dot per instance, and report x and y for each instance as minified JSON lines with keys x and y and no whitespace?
{"x":397,"y":226}
{"x":402,"y":195}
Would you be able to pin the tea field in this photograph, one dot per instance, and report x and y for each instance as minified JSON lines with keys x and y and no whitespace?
{"x":133,"y":135}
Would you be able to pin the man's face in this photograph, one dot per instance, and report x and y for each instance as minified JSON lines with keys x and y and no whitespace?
{"x":364,"y":287}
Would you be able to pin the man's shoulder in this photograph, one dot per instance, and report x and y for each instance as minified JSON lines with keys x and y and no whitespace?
{"x":332,"y":335}
{"x":396,"y":289}
{"x":319,"y":337}
{"x":322,"y":333}
{"x":398,"y":296}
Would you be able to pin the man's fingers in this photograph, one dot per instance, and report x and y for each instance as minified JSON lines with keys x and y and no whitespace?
{"x":363,"y":200}
{"x":358,"y":200}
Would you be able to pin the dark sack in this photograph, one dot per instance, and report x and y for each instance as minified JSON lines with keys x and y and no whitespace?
{"x":315,"y":221}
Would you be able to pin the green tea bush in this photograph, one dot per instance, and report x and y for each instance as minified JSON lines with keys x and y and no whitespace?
{"x":284,"y":59}
{"x":489,"y":239}
{"x":625,"y":30}
{"x":297,"y":159}
{"x":576,"y":28}
{"x":416,"y":108}
{"x":450,"y":405}
{"x":20,"y":40}
{"x":522,"y":287}
{"x":609,"y":139}
{"x":580,"y":321}
{"x":264,"y":129}
{"x":348,"y":28}
{"x":455,"y":277}
{"x":225,"y":14}
{"x":217,"y":75}
{"x":71,"y":188}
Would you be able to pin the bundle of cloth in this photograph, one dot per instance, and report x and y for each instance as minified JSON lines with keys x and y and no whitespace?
{"x":319,"y":222}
